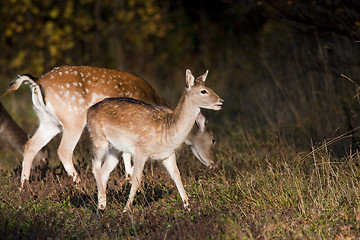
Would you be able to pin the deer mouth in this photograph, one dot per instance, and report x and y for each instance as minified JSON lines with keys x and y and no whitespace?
{"x":217,"y":106}
{"x":198,"y":156}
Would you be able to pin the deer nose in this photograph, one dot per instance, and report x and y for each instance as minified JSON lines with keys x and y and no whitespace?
{"x":220,"y":101}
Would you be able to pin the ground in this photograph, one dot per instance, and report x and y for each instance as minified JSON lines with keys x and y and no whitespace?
{"x":252,"y":195}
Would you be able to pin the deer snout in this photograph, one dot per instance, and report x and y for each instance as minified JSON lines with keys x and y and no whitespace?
{"x":218,"y":104}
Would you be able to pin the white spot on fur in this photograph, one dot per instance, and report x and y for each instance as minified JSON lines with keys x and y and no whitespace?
{"x":60,"y":73}
{"x":75,"y":84}
{"x":57,"y":97}
{"x":67,"y":85}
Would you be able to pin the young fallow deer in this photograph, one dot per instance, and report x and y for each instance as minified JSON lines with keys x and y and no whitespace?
{"x":62,"y":97}
{"x":145,"y":131}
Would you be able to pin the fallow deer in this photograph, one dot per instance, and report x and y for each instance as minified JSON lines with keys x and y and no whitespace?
{"x":145,"y":131}
{"x":62,"y":96}
{"x":11,"y":133}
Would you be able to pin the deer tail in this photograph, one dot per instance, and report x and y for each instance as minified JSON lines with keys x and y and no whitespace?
{"x":20,"y":79}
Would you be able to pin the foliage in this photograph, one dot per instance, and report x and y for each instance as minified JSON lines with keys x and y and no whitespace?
{"x":341,"y":17}
{"x":41,"y":34}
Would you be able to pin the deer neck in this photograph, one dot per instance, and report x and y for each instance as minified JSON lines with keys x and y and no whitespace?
{"x":181,"y":121}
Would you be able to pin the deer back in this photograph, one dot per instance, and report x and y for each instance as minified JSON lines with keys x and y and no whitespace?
{"x":74,"y":89}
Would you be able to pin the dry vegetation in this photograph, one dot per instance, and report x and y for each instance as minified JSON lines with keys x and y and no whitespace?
{"x":288,"y":137}
{"x":277,"y":194}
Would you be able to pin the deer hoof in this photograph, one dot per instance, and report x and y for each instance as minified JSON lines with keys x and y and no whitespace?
{"x":187,"y":205}
{"x":101,"y":206}
{"x":127,"y":209}
{"x":77,"y":180}
{"x":128,"y":177}
{"x":100,"y":212}
{"x":101,"y":202}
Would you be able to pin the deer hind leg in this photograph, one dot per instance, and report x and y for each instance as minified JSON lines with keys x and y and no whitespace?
{"x":68,"y":142}
{"x":139,"y":162}
{"x":42,"y":136}
{"x":101,"y":150}
{"x":129,"y":170}
{"x":108,"y":166}
{"x":170,"y":165}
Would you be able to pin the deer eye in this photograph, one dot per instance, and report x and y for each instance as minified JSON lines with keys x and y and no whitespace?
{"x":204,"y":92}
{"x":213,"y":141}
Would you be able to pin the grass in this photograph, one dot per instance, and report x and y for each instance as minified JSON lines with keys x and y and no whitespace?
{"x":253,"y":195}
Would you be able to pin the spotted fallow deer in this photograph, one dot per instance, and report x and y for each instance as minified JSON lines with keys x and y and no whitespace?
{"x":62,"y":96}
{"x":146,"y":132}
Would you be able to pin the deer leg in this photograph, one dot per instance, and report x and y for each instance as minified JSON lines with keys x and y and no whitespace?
{"x":100,"y":151}
{"x":170,"y":165}
{"x":68,"y":142}
{"x":108,"y":166}
{"x":41,"y":137}
{"x":129,"y":170}
{"x":139,"y":162}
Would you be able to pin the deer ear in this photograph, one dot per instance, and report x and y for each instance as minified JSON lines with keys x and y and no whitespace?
{"x":200,"y":121}
{"x":189,"y":79}
{"x":203,"y":77}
